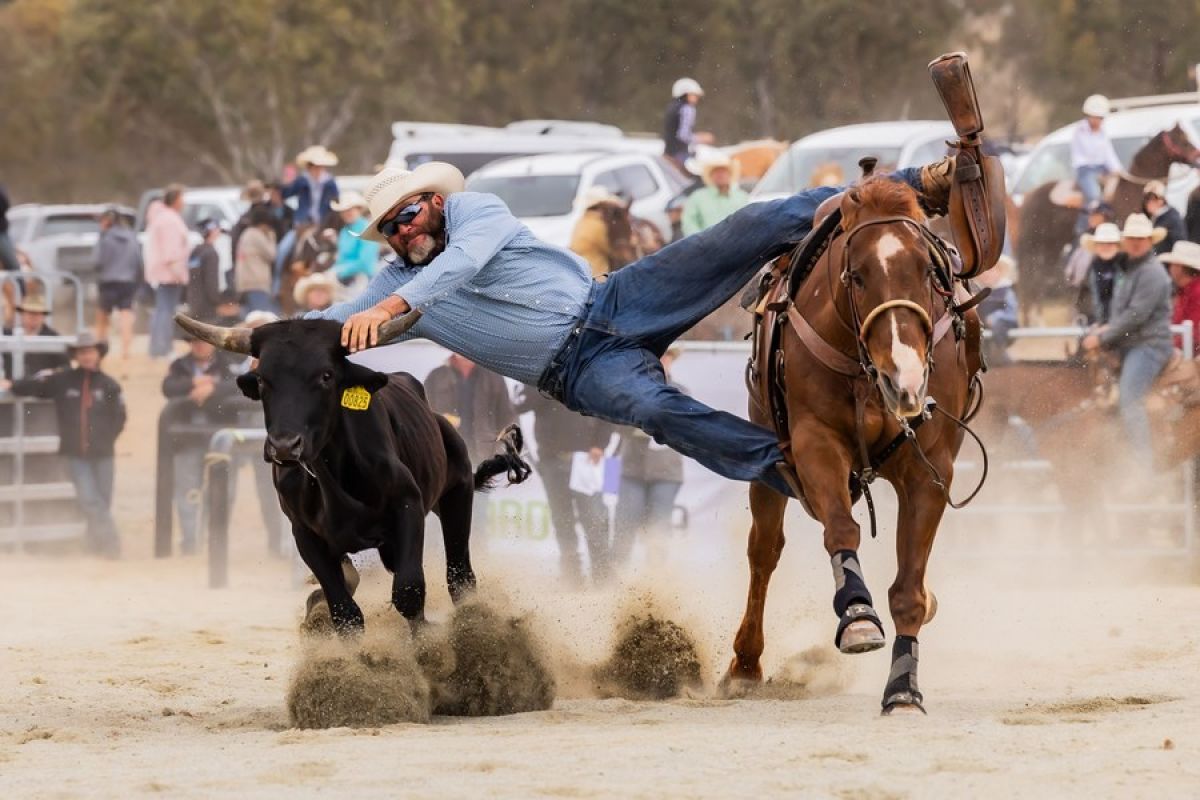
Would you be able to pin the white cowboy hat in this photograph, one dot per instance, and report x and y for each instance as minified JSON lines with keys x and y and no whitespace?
{"x":716,"y":160}
{"x":1184,"y":253}
{"x":259,"y":318}
{"x":1096,"y":106}
{"x":1139,"y":226}
{"x":1156,"y":188}
{"x":317,"y":280}
{"x":348,"y":200}
{"x":392,"y":185}
{"x":317,"y":155}
{"x":1106,"y":233}
{"x":597,"y":194}
{"x":686,"y":86}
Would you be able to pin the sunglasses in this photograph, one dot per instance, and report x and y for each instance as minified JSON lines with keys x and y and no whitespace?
{"x":391,"y":226}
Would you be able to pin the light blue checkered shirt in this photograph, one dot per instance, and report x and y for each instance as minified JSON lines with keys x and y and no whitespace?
{"x":496,"y":294}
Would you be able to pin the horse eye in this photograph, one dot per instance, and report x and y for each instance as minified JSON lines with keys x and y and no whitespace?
{"x":858,"y":279}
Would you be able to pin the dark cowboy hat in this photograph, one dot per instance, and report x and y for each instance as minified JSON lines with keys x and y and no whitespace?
{"x":88,"y":339}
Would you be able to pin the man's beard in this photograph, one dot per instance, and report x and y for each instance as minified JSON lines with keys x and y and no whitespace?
{"x":422,"y":249}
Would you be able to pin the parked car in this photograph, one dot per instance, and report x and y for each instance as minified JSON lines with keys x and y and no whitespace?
{"x":470,"y":147}
{"x":546,"y":191}
{"x":831,"y":157}
{"x":62,"y":238}
{"x":1129,"y":130}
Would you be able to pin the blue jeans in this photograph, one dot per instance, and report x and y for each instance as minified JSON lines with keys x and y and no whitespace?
{"x":1140,"y":366}
{"x":282,"y":252}
{"x":1089,"y":180}
{"x":609,"y":368}
{"x":167,"y":297}
{"x":93,"y":479}
{"x":643,"y":508}
{"x":258,"y":300}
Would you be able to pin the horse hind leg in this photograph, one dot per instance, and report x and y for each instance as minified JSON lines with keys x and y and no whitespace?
{"x":763,"y":551}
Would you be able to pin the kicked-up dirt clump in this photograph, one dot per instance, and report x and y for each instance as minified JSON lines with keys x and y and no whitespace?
{"x":654,"y":659}
{"x":367,"y":683}
{"x":486,"y":663}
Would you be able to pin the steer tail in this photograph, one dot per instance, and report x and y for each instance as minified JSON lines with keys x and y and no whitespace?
{"x":509,"y":462}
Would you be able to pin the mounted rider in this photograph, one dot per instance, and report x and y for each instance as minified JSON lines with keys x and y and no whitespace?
{"x":1092,"y":155}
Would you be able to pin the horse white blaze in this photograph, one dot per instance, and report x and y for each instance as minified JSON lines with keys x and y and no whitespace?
{"x":910,"y":367}
{"x":888,"y":245}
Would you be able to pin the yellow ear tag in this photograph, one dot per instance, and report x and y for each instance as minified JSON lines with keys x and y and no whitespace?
{"x":356,"y":398}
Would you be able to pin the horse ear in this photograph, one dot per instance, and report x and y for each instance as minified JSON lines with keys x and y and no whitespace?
{"x":851,"y":203}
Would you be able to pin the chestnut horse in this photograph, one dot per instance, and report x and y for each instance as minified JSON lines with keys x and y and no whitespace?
{"x":879,"y":341}
{"x":1045,"y":228}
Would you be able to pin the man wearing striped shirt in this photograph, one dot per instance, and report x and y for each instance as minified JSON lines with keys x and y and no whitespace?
{"x":489,"y":290}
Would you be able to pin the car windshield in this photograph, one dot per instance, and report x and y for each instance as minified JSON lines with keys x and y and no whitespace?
{"x":801,"y":168}
{"x":1052,"y":163}
{"x":60,"y":224}
{"x":531,"y":195}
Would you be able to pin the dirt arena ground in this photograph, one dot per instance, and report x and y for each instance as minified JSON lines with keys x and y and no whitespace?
{"x":1044,"y":677}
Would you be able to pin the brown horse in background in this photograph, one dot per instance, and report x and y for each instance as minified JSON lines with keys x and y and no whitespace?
{"x":1045,"y":228}
{"x":872,"y":335}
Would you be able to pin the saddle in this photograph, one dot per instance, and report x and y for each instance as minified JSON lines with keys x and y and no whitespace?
{"x":1179,"y":382}
{"x":977,"y":193}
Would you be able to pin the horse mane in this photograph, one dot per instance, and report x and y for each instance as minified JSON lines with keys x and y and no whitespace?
{"x":889,"y":197}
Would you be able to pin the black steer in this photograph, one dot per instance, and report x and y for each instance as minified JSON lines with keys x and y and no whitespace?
{"x":360,"y":459}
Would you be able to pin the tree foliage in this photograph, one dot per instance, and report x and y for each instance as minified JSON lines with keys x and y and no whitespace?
{"x":106,"y":97}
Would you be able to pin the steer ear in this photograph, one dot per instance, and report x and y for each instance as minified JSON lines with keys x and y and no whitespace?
{"x":248,"y":383}
{"x":358,"y":375}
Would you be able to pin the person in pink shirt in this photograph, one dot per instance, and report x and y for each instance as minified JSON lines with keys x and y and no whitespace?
{"x":166,"y":260}
{"x":1183,"y":262}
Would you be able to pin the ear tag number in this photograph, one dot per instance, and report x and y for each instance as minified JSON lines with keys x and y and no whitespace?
{"x":356,"y":398}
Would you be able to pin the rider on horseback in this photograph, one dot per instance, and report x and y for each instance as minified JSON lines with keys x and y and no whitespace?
{"x":485,"y":287}
{"x":1092,"y":155}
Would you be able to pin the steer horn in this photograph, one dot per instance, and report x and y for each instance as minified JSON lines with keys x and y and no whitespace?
{"x":235,"y":340}
{"x":394,"y":328}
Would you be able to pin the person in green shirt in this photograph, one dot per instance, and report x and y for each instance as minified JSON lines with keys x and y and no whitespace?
{"x":718,"y":198}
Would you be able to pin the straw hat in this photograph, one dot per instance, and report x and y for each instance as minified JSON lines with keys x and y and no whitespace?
{"x":1139,"y":226}
{"x":317,"y":155}
{"x":717,"y":160}
{"x":318,"y":280}
{"x":1106,"y":233}
{"x":349,"y":200}
{"x":1096,"y":106}
{"x":87,"y":339}
{"x":256,"y":319}
{"x":254,"y":190}
{"x":392,"y":185}
{"x":1184,"y":253}
{"x":34,"y":304}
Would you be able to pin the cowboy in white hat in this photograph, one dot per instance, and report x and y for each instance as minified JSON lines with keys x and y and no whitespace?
{"x":679,"y":135}
{"x":1163,"y":215}
{"x":1102,"y":249}
{"x":315,"y":190}
{"x":487,"y":288}
{"x":718,"y":198}
{"x":1183,"y":263}
{"x":1138,"y":329}
{"x":356,"y":256}
{"x":1092,"y":154}
{"x":315,"y":292}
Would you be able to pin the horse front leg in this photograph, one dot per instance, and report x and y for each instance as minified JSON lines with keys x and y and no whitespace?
{"x":824,"y":469}
{"x":912,"y":604}
{"x":766,"y":543}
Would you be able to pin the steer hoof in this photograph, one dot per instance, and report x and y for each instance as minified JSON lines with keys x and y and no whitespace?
{"x":318,"y":620}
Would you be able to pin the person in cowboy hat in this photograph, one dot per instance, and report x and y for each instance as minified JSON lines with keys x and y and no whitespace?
{"x":490,"y":290}
{"x":718,"y":198}
{"x":355,"y":255}
{"x":1103,"y":249}
{"x":590,"y":236}
{"x":1092,"y":154}
{"x":679,"y":121}
{"x":315,"y":292}
{"x":315,"y":190}
{"x":1183,"y":263}
{"x":91,"y":415}
{"x":1163,"y":215}
{"x":1138,"y":329}
{"x":33,"y":312}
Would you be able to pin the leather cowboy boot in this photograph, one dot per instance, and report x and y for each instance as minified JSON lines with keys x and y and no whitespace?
{"x":935,"y":186}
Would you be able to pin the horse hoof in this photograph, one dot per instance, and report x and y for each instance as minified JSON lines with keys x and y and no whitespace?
{"x":861,"y":636}
{"x":738,"y":681}
{"x":903,"y":710}
{"x":931,"y":607}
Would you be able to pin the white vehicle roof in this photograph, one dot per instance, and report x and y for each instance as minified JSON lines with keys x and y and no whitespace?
{"x":876,"y":134}
{"x":550,"y":163}
{"x":53,"y":209}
